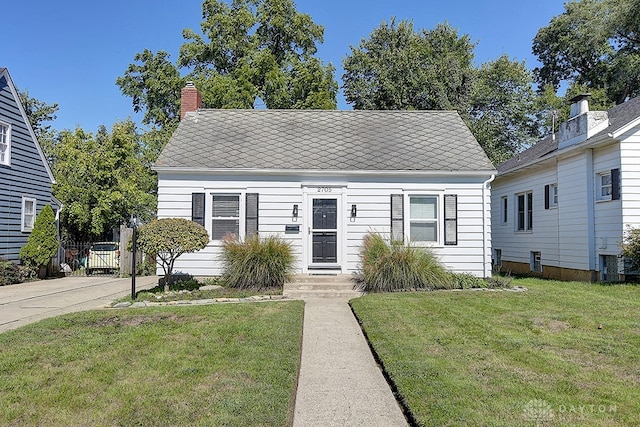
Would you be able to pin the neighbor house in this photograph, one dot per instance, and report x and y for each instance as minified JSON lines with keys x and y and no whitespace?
{"x":25,"y":176}
{"x":560,"y":208}
{"x":322,"y":180}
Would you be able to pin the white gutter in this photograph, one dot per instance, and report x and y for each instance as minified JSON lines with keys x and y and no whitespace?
{"x":485,"y":186}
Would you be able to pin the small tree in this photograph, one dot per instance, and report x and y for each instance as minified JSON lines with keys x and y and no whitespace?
{"x":631,"y":247}
{"x":43,"y":241}
{"x":169,"y":238}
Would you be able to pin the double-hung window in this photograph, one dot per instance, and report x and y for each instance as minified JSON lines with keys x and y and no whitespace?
{"x":28,"y":214}
{"x":605,"y":186}
{"x":608,"y":185}
{"x":225,"y":216}
{"x":525,"y":211}
{"x":5,"y":144}
{"x":550,"y":196}
{"x":423,"y":218}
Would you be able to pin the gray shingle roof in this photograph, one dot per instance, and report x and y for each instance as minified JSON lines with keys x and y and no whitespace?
{"x":324,"y":140}
{"x":619,"y":116}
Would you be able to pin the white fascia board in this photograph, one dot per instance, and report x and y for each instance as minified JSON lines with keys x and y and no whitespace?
{"x":633,"y":123}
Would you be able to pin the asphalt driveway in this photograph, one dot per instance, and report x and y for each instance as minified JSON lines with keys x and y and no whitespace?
{"x":28,"y":302}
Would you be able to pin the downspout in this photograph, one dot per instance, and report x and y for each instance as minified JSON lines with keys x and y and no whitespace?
{"x":485,"y":187}
{"x":591,"y":227}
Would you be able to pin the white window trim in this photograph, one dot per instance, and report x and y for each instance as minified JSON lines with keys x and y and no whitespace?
{"x":241,"y":212}
{"x":599,"y":196}
{"x":439,"y":242}
{"x":528,"y":227}
{"x":7,"y":159}
{"x":25,"y":228}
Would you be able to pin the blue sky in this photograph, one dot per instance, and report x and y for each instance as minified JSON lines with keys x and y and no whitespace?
{"x":72,"y":51}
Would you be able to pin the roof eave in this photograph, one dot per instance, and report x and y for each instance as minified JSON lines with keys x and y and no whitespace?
{"x":562,"y":152}
{"x":323,"y":172}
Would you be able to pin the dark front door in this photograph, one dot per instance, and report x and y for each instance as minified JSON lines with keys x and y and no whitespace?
{"x":325,"y":231}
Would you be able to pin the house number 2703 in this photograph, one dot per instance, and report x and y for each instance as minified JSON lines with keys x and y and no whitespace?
{"x":324,"y":189}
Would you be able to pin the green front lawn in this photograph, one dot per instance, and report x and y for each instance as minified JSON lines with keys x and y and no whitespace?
{"x":565,"y":354}
{"x":198,"y":365}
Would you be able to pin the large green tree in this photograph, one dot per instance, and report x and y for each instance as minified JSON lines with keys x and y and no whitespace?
{"x":102,"y":180}
{"x":400,"y":68}
{"x":501,"y":114}
{"x":40,"y":114}
{"x":248,"y":52}
{"x":154,"y":85}
{"x":595,"y":43}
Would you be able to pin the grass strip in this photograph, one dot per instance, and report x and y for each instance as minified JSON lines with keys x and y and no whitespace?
{"x":197,"y":365}
{"x":558,"y":354}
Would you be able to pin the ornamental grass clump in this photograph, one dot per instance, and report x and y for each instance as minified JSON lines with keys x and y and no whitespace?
{"x":257,"y":263}
{"x":392,"y":266}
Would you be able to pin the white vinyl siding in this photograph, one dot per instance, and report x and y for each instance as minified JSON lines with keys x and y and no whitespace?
{"x":278,"y":195}
{"x":630,"y":179}
{"x":516,"y":245}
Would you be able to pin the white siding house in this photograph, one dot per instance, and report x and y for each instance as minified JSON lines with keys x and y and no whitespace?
{"x":585,"y":191}
{"x":324,"y":179}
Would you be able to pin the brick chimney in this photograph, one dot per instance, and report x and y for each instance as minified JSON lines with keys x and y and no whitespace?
{"x":190,"y":99}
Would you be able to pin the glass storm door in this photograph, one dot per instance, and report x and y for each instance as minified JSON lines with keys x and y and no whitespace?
{"x":324,"y":231}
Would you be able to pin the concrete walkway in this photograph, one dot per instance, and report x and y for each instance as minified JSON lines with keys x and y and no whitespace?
{"x":29,"y":302}
{"x":340,"y":383}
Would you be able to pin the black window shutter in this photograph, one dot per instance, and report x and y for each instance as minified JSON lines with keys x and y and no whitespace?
{"x":450,"y":219}
{"x":397,"y":218}
{"x":546,"y":196}
{"x":615,"y":184}
{"x":197,"y":208}
{"x":252,"y":214}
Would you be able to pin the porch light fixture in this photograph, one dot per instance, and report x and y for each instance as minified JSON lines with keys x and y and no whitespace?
{"x":294,"y":214}
{"x":354,"y":211}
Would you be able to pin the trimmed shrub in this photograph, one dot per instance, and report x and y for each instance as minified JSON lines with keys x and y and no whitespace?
{"x":169,"y":238}
{"x":10,"y":273}
{"x":467,"y":281}
{"x":498,"y":282}
{"x":392,"y":266}
{"x":43,"y":241}
{"x":257,"y":263}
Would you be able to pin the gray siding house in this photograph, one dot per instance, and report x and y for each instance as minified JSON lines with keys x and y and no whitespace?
{"x":25,"y":176}
{"x":324,"y":179}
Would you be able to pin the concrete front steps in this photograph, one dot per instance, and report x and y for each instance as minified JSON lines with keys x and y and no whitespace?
{"x":321,"y":286}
